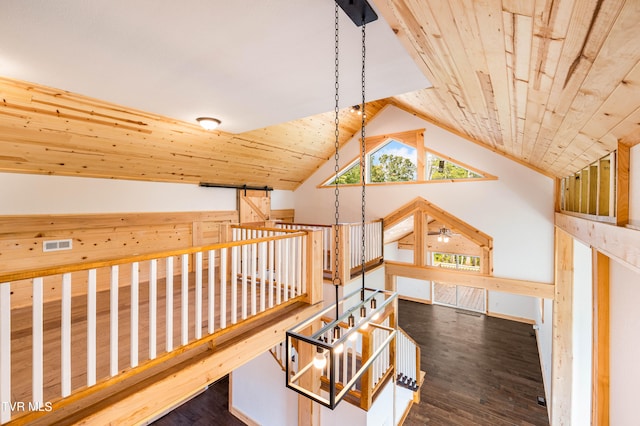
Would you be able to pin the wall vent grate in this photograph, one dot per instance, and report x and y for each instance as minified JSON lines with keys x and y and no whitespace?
{"x":57,"y":245}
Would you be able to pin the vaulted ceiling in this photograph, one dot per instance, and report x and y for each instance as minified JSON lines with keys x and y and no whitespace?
{"x":110,"y":89}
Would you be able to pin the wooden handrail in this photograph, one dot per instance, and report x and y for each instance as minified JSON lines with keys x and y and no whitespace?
{"x":82,"y":266}
{"x":408,"y":337}
{"x":303,"y":224}
{"x":262,"y":228}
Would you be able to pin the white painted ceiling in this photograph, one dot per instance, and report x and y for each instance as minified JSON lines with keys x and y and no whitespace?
{"x":250,"y":63}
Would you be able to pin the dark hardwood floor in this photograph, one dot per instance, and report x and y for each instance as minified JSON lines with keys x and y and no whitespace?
{"x":480,"y":371}
{"x":208,"y":408}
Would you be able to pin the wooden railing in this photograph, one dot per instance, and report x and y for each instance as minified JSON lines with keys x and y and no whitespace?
{"x":373,"y":243}
{"x":327,"y":239}
{"x":350,"y":245}
{"x":217,"y":286}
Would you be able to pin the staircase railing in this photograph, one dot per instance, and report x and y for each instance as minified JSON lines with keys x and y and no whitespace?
{"x":408,"y":361}
{"x":215,"y":287}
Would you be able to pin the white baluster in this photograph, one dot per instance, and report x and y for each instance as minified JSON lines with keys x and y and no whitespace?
{"x":5,"y":351}
{"x":135,"y":277}
{"x":91,"y":329}
{"x":113,"y":322}
{"x":65,"y":329}
{"x":278,"y":272}
{"x":354,"y":355}
{"x":37,"y":380}
{"x":252,"y":267}
{"x":223,"y":286}
{"x":169,"y":304}
{"x":271,"y":277}
{"x":198,"y":308}
{"x":345,"y":360}
{"x":211,"y":296}
{"x":263,"y":275}
{"x":236,"y":262}
{"x":153,"y":307}
{"x":287,"y":255}
{"x":244,"y":300}
{"x":303,"y":265}
{"x":184,"y":304}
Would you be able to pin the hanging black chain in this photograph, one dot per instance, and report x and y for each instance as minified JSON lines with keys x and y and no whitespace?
{"x":363,"y":158}
{"x":336,"y":253}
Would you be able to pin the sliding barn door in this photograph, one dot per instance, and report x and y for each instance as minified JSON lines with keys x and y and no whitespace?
{"x":254,"y":206}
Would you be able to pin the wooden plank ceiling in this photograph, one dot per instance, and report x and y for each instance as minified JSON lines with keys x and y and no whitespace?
{"x":553,"y":84}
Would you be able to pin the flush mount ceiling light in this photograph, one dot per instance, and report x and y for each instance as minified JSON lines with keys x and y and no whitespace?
{"x":208,"y":123}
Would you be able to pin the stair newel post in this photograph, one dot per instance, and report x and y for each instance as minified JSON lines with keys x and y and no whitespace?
{"x":314,"y":271}
{"x":308,"y":410}
{"x":366,"y":382}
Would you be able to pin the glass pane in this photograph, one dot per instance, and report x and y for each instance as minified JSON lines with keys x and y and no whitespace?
{"x":349,"y":176}
{"x":438,"y":168}
{"x":393,"y":162}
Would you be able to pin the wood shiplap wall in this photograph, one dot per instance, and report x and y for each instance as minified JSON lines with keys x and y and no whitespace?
{"x":99,"y":237}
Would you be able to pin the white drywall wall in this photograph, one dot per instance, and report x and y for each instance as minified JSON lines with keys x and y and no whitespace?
{"x":634,"y":186}
{"x":516,"y":210}
{"x":408,"y":287}
{"x":624,"y":344}
{"x":43,"y":194}
{"x":582,"y":335}
{"x":513,"y":305}
{"x":258,"y":391}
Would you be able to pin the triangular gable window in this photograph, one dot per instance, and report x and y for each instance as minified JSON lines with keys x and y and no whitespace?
{"x":440,"y":167}
{"x":403,"y":158}
{"x":392,"y":162}
{"x":348,"y":176}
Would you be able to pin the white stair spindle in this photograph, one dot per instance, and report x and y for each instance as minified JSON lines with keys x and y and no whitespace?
{"x":153,"y":306}
{"x":135,"y":281}
{"x":91,"y":329}
{"x":5,"y":351}
{"x":243,"y":299}
{"x":263,"y":275}
{"x":184,"y":304}
{"x":278,"y":271}
{"x":211,"y":291}
{"x":198,"y":308}
{"x":252,"y":268}
{"x":169,"y":304}
{"x":285,"y":267}
{"x":235,"y":262}
{"x":223,"y":287}
{"x":65,"y":330}
{"x":38,"y":350}
{"x":271,"y":277}
{"x":302,"y":269}
{"x":113,"y":321}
